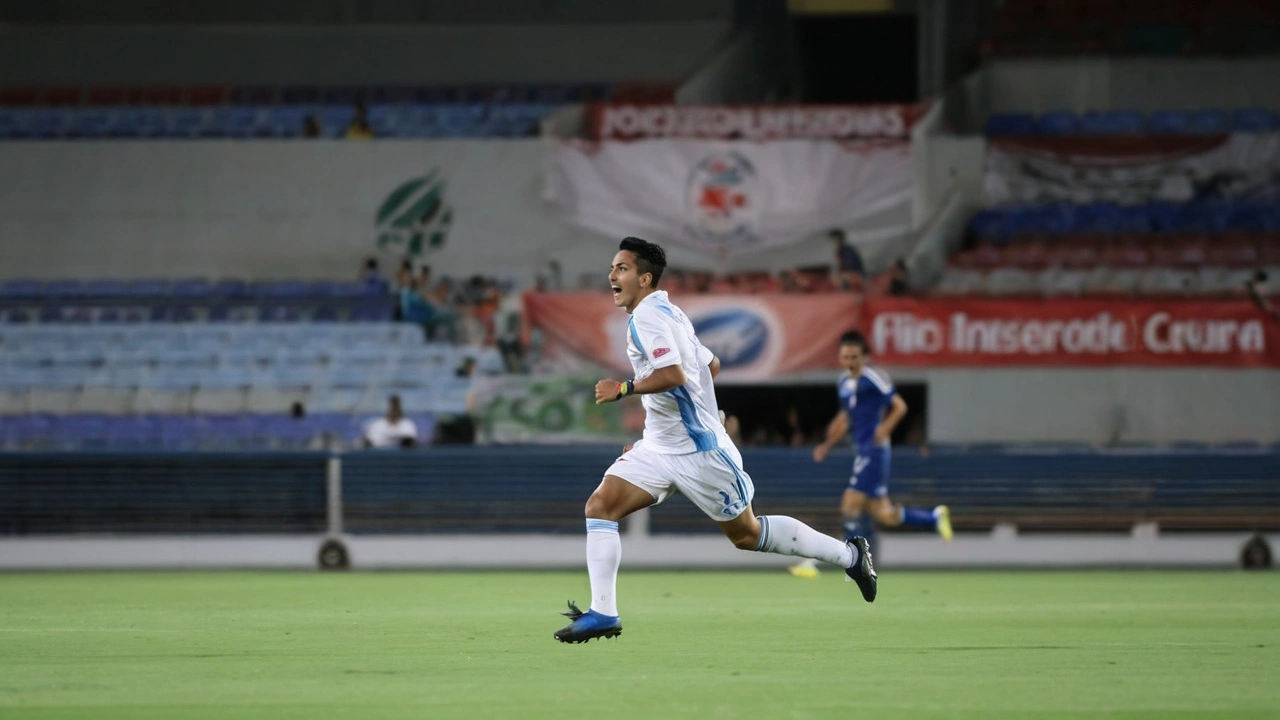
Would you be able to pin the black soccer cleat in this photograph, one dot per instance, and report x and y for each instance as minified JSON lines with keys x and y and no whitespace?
{"x":588,"y":625}
{"x":862,"y":571}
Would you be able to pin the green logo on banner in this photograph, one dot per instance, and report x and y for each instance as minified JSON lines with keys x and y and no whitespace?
{"x":415,"y":218}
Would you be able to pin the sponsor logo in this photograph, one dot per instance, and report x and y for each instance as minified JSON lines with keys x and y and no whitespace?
{"x":1103,"y":333}
{"x":738,"y":337}
{"x":748,"y":123}
{"x":415,"y":218}
{"x":660,"y":352}
{"x":722,"y":199}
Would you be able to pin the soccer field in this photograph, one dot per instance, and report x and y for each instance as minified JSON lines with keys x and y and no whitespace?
{"x":695,"y":645}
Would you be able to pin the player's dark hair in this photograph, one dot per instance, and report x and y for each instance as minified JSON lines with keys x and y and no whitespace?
{"x":857,"y":339}
{"x":650,"y":257}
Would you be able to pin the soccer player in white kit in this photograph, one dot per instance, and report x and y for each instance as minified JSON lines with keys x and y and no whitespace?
{"x":684,"y":448}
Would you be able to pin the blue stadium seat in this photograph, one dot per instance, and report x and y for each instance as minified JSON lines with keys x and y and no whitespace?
{"x":63,"y":288}
{"x":334,"y":119}
{"x":144,"y":122}
{"x":1254,"y":120}
{"x":384,"y":120}
{"x":150,"y":288}
{"x":1210,"y":122}
{"x":1011,"y":124}
{"x":1169,"y":122}
{"x":91,"y":123}
{"x":461,"y":120}
{"x":288,"y":120}
{"x":192,"y":288}
{"x":49,"y":123}
{"x":244,"y":122}
{"x":187,"y":122}
{"x":105,"y":288}
{"x":281,"y":289}
{"x":1059,"y":122}
{"x":14,"y":123}
{"x":21,"y":289}
{"x":1112,"y":122}
{"x":230,"y":289}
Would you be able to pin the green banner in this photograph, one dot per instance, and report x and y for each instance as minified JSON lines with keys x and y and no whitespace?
{"x":524,"y":409}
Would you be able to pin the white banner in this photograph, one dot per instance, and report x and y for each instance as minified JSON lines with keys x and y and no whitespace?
{"x":727,"y":197}
{"x":1132,"y":170}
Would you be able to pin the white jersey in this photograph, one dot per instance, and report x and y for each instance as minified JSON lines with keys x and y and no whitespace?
{"x":687,"y":418}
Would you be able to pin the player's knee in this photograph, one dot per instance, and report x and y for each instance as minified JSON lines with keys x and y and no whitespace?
{"x":746,"y":538}
{"x":887,"y":516}
{"x":598,"y":508}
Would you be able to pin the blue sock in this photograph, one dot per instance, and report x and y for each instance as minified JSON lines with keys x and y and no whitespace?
{"x":919,"y":517}
{"x":870,"y":533}
{"x":853,"y":526}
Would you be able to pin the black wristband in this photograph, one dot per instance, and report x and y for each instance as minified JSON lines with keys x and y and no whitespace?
{"x":625,"y":388}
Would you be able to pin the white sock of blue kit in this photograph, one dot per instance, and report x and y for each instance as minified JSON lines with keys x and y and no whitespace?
{"x":788,"y":536}
{"x":604,"y":555}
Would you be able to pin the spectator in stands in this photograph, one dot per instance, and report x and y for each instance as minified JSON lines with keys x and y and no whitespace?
{"x":1257,"y":293}
{"x":392,"y":430}
{"x":466,"y":369}
{"x":370,"y":277}
{"x":507,"y":324}
{"x":404,"y":275}
{"x":849,"y":268}
{"x":358,"y":128}
{"x":311,"y":127}
{"x":898,"y":278}
{"x":443,"y":321}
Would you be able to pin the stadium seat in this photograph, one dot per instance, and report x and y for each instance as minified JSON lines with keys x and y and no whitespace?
{"x":1113,"y":122}
{"x":1011,"y":124}
{"x":1059,"y":122}
{"x":1169,"y":122}
{"x":1210,"y":122}
{"x":1254,"y":120}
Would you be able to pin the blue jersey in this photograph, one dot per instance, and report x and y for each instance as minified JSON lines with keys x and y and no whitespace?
{"x":864,"y":398}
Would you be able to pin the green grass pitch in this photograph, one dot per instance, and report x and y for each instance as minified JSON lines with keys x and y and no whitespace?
{"x":696,"y":645}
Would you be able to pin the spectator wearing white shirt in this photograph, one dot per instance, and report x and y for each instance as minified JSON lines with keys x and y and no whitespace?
{"x":393,"y":430}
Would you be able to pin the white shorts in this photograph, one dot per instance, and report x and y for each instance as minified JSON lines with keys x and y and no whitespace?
{"x":713,"y":480}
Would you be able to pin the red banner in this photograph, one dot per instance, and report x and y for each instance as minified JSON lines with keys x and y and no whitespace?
{"x":753,"y":122}
{"x":756,"y":337}
{"x":1056,"y":332}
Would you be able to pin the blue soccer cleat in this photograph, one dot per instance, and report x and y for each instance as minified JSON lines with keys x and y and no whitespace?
{"x":862,"y":571}
{"x":588,"y":626}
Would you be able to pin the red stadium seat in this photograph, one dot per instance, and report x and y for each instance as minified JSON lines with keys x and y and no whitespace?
{"x":17,"y":96}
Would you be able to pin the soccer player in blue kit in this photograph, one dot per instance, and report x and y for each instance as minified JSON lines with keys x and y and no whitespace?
{"x":870,"y":408}
{"x":684,"y":449}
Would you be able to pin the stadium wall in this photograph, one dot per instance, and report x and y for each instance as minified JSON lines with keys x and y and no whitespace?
{"x":461,"y":507}
{"x":1100,"y":405}
{"x":388,"y":54}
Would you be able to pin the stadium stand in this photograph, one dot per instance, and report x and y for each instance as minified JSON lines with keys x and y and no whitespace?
{"x":210,"y":385}
{"x":1170,"y":27}
{"x":97,"y":113}
{"x":1130,"y":122}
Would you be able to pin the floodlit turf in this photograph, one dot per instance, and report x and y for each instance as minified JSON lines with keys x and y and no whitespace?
{"x":696,"y":645}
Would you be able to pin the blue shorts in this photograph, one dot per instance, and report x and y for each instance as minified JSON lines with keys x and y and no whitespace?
{"x":871,"y":472}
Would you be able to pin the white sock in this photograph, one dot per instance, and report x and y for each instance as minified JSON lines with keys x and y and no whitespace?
{"x":788,"y":536}
{"x":604,"y":554}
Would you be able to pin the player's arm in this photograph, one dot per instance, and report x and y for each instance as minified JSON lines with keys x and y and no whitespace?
{"x":897,"y":411}
{"x":662,"y":380}
{"x":837,"y":429}
{"x":714,"y":366}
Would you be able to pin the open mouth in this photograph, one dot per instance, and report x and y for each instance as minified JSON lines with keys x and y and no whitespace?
{"x":616,"y":290}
